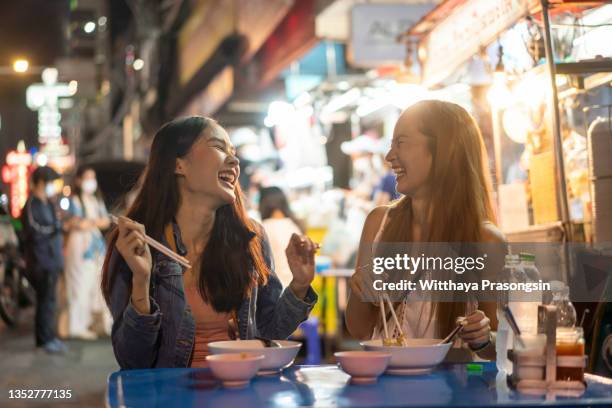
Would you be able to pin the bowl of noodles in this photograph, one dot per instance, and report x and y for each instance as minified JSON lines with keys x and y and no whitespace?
{"x":276,"y":358}
{"x":411,"y":356}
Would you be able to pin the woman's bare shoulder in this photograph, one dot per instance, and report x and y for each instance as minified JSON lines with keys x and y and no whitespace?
{"x":491,"y":233}
{"x":373,"y":221}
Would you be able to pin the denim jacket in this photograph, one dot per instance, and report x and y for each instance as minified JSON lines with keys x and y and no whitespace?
{"x":165,"y":337}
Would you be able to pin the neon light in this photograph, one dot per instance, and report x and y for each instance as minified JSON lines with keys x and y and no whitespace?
{"x":43,"y":97}
{"x":15,"y":174}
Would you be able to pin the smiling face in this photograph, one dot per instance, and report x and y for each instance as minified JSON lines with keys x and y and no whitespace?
{"x":211,"y":167}
{"x":410,"y":155}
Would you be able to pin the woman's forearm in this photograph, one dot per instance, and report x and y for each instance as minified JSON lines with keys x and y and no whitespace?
{"x":140,"y":296}
{"x":135,"y":332}
{"x":360,"y":318}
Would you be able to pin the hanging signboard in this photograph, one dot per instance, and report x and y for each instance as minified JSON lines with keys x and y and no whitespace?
{"x":375,"y":29}
{"x":459,"y":36}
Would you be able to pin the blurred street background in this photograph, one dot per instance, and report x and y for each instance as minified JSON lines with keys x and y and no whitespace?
{"x":309,"y":91}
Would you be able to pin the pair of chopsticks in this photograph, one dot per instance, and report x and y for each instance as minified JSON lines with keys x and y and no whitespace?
{"x":384,"y":316}
{"x":452,"y":334}
{"x":160,"y":247}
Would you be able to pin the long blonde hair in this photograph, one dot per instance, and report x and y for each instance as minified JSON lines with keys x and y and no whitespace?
{"x":460,"y":201}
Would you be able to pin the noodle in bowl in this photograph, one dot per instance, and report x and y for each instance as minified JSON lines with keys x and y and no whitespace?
{"x":419,"y":356}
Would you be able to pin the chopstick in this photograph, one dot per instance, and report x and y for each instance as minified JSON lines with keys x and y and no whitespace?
{"x":160,"y":247}
{"x":452,"y":334}
{"x":397,"y":323}
{"x":384,"y":317}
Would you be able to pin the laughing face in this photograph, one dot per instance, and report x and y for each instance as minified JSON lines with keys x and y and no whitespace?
{"x":410,"y":156}
{"x":211,"y":167}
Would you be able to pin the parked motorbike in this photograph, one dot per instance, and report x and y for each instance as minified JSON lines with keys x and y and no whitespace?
{"x":16,"y":292}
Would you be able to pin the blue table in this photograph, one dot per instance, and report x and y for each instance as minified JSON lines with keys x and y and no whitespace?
{"x":327,"y":386}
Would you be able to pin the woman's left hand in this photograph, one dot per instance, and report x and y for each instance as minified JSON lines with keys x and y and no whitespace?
{"x":477,"y":329}
{"x":300,"y":256}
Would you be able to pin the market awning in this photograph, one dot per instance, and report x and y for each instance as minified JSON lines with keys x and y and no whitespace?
{"x":456,"y":30}
{"x":218,"y":34}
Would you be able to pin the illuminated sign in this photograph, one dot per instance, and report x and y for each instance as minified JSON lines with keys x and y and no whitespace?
{"x":463,"y":33}
{"x":375,"y":28}
{"x":57,"y":154}
{"x":44,"y":99}
{"x":15,"y":174}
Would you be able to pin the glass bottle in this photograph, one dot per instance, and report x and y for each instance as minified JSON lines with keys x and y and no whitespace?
{"x":566,"y":313}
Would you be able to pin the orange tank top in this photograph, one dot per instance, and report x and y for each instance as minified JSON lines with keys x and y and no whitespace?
{"x":210,"y":325}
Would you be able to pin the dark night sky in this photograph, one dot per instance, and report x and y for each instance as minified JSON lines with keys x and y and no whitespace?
{"x":31,"y":29}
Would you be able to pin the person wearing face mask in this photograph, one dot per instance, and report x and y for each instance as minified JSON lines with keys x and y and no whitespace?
{"x":85,"y":250}
{"x":190,"y":201}
{"x":44,"y":256}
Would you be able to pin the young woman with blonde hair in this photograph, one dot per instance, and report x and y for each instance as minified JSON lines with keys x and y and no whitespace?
{"x":439,"y":159}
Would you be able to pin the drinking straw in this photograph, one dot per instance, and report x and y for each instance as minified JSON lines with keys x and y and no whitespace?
{"x":586,"y":311}
{"x":513,"y":325}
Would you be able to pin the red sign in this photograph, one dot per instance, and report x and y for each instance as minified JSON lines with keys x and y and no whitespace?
{"x":15,"y":174}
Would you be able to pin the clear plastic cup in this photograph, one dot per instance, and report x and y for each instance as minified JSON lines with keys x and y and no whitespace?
{"x":532,"y":345}
{"x":529,"y":357}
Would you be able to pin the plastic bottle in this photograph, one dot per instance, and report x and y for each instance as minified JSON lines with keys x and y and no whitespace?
{"x":504,"y":335}
{"x":529,"y":267}
{"x":526,"y":312}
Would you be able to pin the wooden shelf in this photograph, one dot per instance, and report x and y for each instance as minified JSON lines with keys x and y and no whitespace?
{"x":584,"y":67}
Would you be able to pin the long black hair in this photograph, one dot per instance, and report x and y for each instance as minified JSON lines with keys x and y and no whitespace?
{"x":234,"y":247}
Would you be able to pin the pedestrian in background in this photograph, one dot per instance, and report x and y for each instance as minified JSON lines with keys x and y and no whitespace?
{"x":280,"y":224}
{"x":44,"y":254}
{"x":385,"y":192}
{"x":85,"y":250}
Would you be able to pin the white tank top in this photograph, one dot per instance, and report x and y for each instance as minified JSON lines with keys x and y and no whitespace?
{"x":418,"y":319}
{"x":415,"y":316}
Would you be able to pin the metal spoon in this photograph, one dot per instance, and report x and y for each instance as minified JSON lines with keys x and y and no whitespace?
{"x":268,"y":342}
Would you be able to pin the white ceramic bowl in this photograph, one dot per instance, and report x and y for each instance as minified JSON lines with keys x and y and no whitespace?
{"x":276,"y":358}
{"x":235,"y":370}
{"x":420,"y":356}
{"x":364,"y":367}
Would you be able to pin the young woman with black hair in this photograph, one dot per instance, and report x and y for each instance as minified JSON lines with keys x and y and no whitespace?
{"x":280,"y":224}
{"x":85,"y":251}
{"x":190,"y":200}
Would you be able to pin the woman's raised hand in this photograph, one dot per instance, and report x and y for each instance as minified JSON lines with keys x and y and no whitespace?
{"x":133,"y":248}
{"x":477,"y":329}
{"x":300,"y":256}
